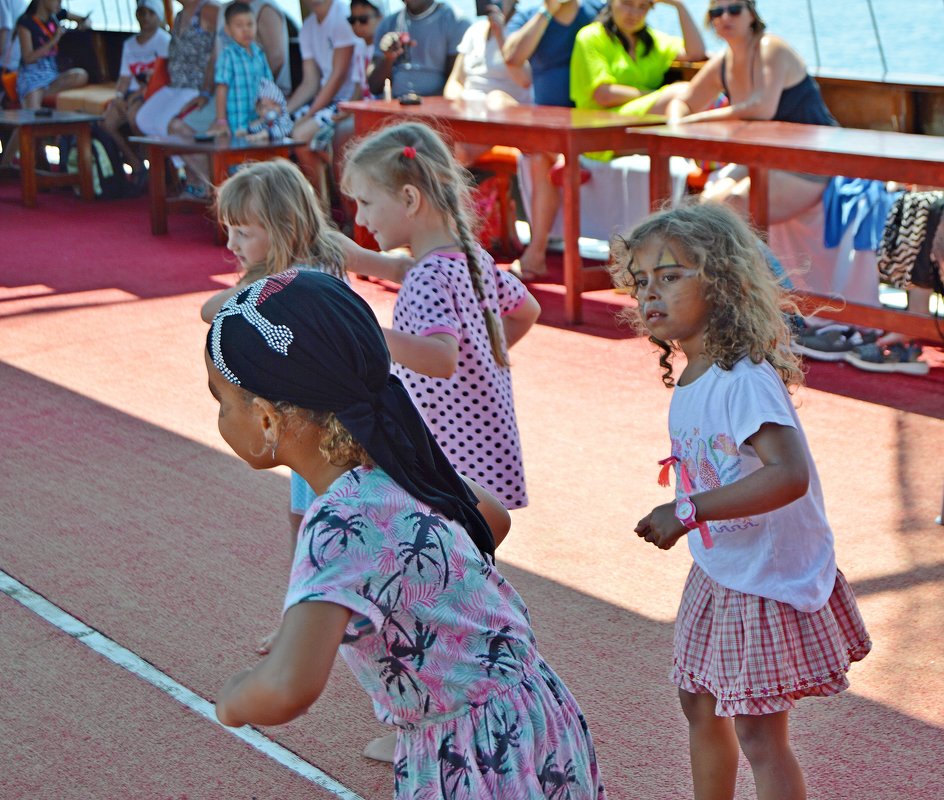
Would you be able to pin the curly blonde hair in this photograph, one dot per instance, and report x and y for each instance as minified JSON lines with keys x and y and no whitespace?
{"x":337,"y":444}
{"x":749,"y":309}
{"x":276,"y":195}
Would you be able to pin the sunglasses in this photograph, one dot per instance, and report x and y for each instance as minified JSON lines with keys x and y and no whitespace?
{"x":359,"y":19}
{"x":734,"y":10}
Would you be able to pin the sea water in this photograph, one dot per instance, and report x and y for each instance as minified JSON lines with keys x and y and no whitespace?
{"x":892,"y":40}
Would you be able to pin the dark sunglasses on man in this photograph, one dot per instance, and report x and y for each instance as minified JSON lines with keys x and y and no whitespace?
{"x":734,"y":10}
{"x":359,"y":19}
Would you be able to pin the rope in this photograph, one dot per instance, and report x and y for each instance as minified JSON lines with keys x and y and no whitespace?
{"x":878,"y":40}
{"x":809,"y":11}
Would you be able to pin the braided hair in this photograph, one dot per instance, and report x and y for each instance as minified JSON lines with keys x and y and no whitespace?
{"x":412,"y":153}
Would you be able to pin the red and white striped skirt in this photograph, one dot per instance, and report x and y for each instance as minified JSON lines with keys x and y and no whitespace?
{"x":759,"y":656}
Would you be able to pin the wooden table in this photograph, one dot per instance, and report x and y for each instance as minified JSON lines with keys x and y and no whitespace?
{"x":820,"y":149}
{"x":33,"y":126}
{"x":223,"y":154}
{"x":530,"y":129}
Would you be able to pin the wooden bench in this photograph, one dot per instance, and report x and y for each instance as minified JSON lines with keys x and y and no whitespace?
{"x":223,"y":153}
{"x":33,"y":127}
{"x":93,"y":99}
{"x":819,"y":149}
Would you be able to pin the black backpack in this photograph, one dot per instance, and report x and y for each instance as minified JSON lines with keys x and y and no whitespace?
{"x":108,"y":172}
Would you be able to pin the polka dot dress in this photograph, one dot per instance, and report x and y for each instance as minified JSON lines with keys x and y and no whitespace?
{"x":471,"y":414}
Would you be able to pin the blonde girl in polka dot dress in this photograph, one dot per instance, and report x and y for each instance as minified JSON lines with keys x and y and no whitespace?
{"x":456,"y":313}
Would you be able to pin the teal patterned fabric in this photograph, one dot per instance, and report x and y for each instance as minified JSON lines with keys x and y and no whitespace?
{"x":443,"y":645}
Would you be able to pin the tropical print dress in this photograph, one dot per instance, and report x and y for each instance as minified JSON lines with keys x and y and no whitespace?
{"x":443,"y":645}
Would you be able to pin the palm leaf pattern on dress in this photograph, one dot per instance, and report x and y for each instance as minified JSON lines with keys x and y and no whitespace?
{"x":333,"y":528}
{"x":503,"y":736}
{"x":427,"y":535}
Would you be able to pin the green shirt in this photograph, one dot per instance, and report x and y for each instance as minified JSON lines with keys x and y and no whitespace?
{"x":599,"y":58}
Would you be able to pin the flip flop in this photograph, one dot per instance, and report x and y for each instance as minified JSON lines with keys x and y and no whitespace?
{"x":526,"y":275}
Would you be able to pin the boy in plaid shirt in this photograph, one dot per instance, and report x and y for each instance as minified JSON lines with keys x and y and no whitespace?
{"x":239,"y":68}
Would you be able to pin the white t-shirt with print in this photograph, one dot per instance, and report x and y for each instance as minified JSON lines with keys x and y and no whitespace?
{"x":786,"y":554}
{"x":137,"y":58}
{"x":318,"y":41}
{"x":484,"y":65}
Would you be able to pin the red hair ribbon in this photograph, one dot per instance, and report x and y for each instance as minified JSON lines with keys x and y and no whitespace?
{"x":409,"y":152}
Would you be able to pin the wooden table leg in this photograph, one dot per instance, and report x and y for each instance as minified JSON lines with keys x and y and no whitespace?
{"x":573,"y":284}
{"x":660,"y":180}
{"x":219,"y":167}
{"x":28,"y":165}
{"x":83,"y":143}
{"x":157,"y":186}
{"x":760,"y":197}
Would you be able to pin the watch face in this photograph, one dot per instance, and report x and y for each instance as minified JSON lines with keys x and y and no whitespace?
{"x":685,"y":510}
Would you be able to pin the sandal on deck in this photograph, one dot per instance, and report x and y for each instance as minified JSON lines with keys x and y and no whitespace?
{"x":526,"y":275}
{"x":897,"y":357}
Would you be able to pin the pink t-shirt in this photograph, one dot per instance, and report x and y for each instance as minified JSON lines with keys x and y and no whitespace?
{"x":471,"y":414}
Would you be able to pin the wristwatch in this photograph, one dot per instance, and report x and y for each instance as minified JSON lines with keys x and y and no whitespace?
{"x":685,"y":512}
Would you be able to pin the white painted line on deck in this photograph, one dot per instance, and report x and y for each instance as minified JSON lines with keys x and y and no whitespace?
{"x":138,"y":666}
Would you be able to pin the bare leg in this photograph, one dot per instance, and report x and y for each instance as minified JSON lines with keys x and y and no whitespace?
{"x":545,"y":201}
{"x":790,"y":195}
{"x":197,"y":167}
{"x":70,"y":79}
{"x":32,"y":100}
{"x":765,"y":741}
{"x":713,"y":747}
{"x":117,"y":115}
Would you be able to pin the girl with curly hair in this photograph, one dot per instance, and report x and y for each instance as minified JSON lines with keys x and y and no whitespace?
{"x":766,"y":617}
{"x":394,"y":567}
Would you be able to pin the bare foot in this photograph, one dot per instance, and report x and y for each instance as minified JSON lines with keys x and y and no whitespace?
{"x":529,"y":268}
{"x":382,"y":748}
{"x":892,"y":338}
{"x":265,"y":646}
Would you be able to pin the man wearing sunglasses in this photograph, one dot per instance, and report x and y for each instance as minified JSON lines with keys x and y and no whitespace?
{"x":763,"y":78}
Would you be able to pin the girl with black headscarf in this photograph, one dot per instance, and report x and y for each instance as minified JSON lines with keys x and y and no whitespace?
{"x":394,"y":567}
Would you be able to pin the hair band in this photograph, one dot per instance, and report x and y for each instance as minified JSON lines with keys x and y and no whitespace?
{"x":409,"y":152}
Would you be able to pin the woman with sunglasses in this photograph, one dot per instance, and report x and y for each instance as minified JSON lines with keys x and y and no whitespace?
{"x":763,"y":79}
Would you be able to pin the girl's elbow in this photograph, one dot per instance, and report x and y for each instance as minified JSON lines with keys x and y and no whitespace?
{"x":799,"y":482}
{"x":445,"y":369}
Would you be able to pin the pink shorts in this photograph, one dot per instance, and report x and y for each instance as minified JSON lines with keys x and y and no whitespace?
{"x":759,"y":656}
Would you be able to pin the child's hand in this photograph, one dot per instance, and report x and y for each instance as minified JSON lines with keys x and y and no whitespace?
{"x":265,"y":645}
{"x":661,"y":527}
{"x":219,"y":128}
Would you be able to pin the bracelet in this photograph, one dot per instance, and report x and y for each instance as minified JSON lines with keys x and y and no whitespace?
{"x":222,"y":121}
{"x":547,"y":14}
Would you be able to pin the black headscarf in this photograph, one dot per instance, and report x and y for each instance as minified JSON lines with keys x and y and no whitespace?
{"x":306,"y":338}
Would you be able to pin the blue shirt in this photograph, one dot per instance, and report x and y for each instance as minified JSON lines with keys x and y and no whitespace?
{"x":241,"y":70}
{"x":550,"y":62}
{"x":425,"y":68}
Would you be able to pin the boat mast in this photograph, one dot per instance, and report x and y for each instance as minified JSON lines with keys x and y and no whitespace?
{"x":878,"y":40}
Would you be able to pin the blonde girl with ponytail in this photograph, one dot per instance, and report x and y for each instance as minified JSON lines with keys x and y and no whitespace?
{"x":456,"y":314}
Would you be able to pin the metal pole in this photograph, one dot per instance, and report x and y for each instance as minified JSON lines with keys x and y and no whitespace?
{"x":878,"y":40}
{"x":809,"y":11}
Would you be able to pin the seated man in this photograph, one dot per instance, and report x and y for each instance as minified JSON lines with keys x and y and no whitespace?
{"x":326,"y":42}
{"x":138,"y":57}
{"x":417,"y":48}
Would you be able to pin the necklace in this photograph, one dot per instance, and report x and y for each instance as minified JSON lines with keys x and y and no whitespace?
{"x":422,"y":14}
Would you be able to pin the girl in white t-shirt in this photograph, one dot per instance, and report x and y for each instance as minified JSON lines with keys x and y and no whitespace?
{"x":765,"y":617}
